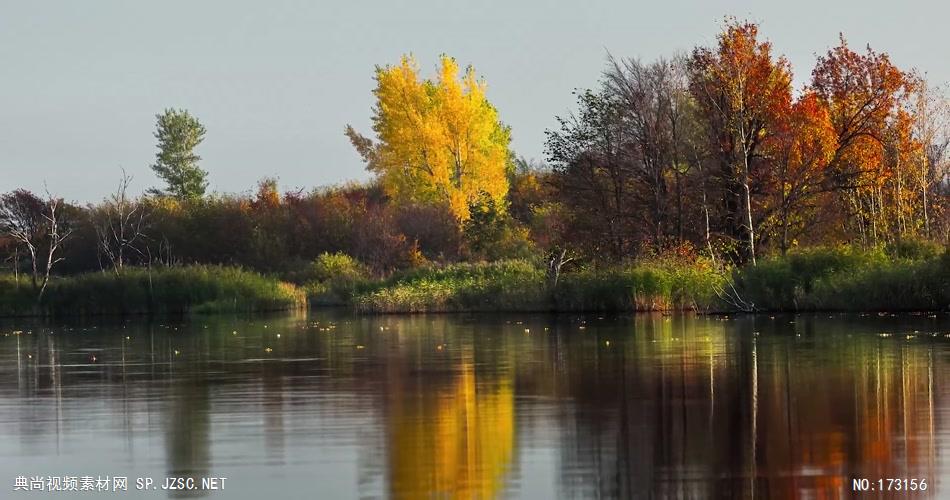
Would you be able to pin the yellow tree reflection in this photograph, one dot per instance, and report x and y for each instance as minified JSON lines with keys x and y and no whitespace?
{"x":454,"y":441}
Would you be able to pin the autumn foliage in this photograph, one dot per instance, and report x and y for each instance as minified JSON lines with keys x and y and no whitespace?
{"x":714,"y":152}
{"x":438,"y":140}
{"x":853,"y":157}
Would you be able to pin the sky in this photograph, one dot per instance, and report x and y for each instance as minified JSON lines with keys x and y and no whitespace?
{"x":275,"y":82}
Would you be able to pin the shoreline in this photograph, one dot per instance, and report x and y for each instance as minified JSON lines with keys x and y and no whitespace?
{"x":815,"y":280}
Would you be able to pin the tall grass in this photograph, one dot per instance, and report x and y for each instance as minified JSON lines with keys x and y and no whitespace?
{"x":643,"y":286}
{"x":520,"y":285}
{"x":176,"y":290}
{"x":901,"y":277}
{"x":495,"y":286}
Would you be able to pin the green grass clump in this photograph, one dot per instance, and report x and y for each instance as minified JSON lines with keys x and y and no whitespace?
{"x":175,"y":290}
{"x":783,"y":282}
{"x":486,"y":286}
{"x":643,"y":286}
{"x":901,"y":277}
{"x":16,"y":298}
{"x":895,"y":285}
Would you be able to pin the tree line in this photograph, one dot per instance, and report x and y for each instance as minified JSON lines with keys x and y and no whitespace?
{"x":716,"y":149}
{"x":712,"y":152}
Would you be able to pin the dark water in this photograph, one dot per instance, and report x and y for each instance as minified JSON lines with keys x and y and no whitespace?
{"x":523,"y":406}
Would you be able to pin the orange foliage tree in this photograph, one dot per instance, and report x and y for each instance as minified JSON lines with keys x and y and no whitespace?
{"x":801,"y":149}
{"x":865,"y":95}
{"x":741,"y":91}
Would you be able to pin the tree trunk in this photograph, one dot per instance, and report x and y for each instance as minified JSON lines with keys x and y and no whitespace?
{"x":746,"y":192}
{"x":923,"y":190}
{"x":873,"y":218}
{"x":679,"y":210}
{"x":709,"y":247}
{"x":702,"y":174}
{"x":899,"y":202}
{"x":784,"y":234}
{"x":748,"y":211}
{"x":35,"y":275}
{"x":49,"y":266}
{"x":16,"y":267}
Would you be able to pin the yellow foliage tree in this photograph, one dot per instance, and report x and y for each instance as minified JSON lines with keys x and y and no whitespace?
{"x":439,"y":141}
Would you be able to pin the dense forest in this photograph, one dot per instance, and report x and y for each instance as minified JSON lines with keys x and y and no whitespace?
{"x":711,"y":156}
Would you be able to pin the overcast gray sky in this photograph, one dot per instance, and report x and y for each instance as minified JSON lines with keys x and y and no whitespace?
{"x":275,"y":81}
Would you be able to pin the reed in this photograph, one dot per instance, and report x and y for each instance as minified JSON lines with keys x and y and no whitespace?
{"x":175,"y":290}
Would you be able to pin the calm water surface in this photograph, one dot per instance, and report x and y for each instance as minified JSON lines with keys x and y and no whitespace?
{"x":455,"y":406}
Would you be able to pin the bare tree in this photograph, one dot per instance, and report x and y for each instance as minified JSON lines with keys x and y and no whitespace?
{"x":593,"y":170}
{"x":120,"y":224}
{"x":21,"y":219}
{"x":932,"y":128}
{"x":37,"y":225}
{"x":556,"y":262}
{"x":654,"y":100}
{"x":57,"y":231}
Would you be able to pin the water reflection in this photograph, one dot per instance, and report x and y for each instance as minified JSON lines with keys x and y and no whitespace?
{"x":484,"y":406}
{"x":450,"y":438}
{"x":187,"y":429}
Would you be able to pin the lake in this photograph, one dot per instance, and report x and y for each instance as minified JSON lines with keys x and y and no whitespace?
{"x":330,"y":405}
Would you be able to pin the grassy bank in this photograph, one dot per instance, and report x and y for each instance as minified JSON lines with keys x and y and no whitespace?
{"x":518,"y":285}
{"x":910,"y":277}
{"x":189,"y":289}
{"x":900,"y":278}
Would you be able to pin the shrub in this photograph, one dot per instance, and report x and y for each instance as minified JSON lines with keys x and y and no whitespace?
{"x":334,"y":277}
{"x":432,"y":228}
{"x":491,"y":234}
